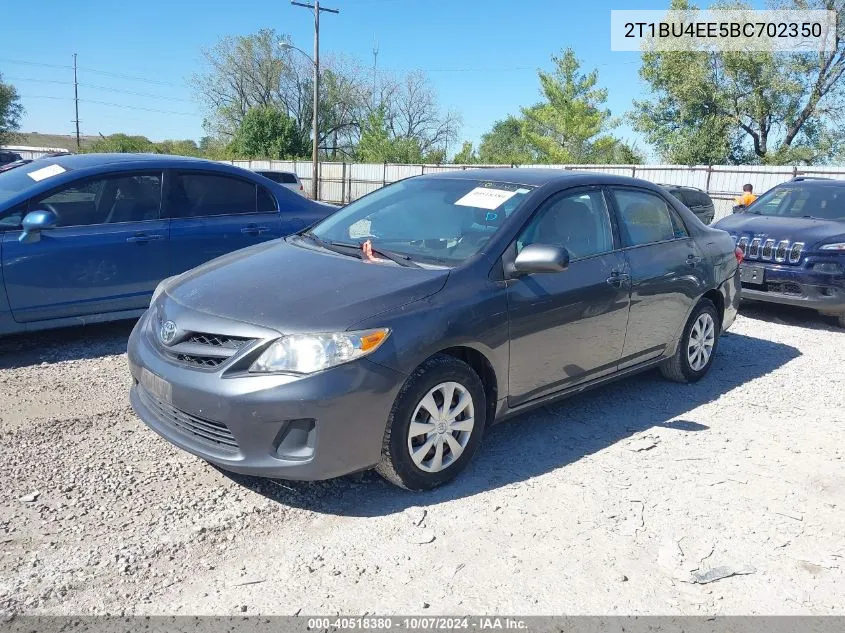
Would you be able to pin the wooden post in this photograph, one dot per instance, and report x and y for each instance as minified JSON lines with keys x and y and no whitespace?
{"x":707,"y":182}
{"x":384,"y":175}
{"x":343,"y":184}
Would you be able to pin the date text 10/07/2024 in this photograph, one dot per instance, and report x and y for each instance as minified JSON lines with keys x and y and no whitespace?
{"x":418,"y":623}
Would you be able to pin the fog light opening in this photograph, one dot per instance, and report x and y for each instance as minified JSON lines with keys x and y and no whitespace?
{"x":296,"y":440}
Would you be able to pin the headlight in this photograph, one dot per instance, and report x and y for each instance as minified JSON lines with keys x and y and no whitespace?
{"x":308,"y":353}
{"x":839,"y":246}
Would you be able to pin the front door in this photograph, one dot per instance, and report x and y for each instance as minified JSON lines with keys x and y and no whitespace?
{"x":107,"y":253}
{"x":213,"y":214}
{"x":666,"y":268}
{"x":568,"y":327}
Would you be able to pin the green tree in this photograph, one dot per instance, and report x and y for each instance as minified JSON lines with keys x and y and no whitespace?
{"x":742,"y":106}
{"x":466,"y":156}
{"x":11,"y":111}
{"x":122,"y":143}
{"x":572,"y":124}
{"x":378,"y":145}
{"x":267,"y":132}
{"x":505,"y":144}
{"x":178,"y":148}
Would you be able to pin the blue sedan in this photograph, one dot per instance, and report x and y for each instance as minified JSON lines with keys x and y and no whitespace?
{"x":86,"y":238}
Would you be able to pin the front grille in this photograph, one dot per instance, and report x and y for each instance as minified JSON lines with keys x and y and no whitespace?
{"x":785,"y":288}
{"x":768,"y":250}
{"x":780,"y":253}
{"x":200,"y":361}
{"x":204,"y":350}
{"x":214,"y":434}
{"x":795,"y":252}
{"x":214,"y":340}
{"x":754,"y":248}
{"x":743,"y":245}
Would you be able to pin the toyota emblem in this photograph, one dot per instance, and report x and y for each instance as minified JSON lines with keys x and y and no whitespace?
{"x":167,"y":332}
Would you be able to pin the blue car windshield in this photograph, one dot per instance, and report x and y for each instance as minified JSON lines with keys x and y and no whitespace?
{"x":435,"y":220}
{"x":819,"y":201}
{"x":13,"y":182}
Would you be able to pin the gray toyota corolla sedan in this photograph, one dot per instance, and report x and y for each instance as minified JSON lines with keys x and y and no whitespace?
{"x":393,"y":333}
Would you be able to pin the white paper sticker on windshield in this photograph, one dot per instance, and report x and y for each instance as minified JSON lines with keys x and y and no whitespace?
{"x":485,"y":198}
{"x":46,"y":172}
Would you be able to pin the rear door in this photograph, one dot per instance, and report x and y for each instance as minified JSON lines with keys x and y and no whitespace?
{"x":107,"y":253}
{"x":212,"y":214}
{"x":666,"y":268}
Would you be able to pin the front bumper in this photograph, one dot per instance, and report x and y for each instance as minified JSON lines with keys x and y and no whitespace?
{"x":797,"y":286}
{"x":304,"y":428}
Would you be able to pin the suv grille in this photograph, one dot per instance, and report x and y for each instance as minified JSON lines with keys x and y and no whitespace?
{"x":214,"y":434}
{"x":770,"y":250}
{"x":200,"y":361}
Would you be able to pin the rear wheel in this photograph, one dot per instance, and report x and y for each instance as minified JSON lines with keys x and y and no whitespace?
{"x":694,"y":356}
{"x":435,"y":426}
{"x":842,"y":320}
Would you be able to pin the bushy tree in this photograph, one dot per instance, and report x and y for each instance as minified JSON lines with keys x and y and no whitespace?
{"x":267,"y":132}
{"x":740,"y":107}
{"x":11,"y":111}
{"x":505,"y":144}
{"x":466,"y":156}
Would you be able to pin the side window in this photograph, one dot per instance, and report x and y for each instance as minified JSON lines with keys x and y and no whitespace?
{"x":111,"y":200}
{"x":195,"y":195}
{"x":579,"y":222}
{"x":286,"y":178}
{"x":266,"y":202}
{"x":12,"y":218}
{"x":646,"y":218}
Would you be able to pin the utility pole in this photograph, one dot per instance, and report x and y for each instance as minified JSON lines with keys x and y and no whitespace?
{"x":76,"y":103}
{"x":375,"y":64}
{"x":315,"y":150}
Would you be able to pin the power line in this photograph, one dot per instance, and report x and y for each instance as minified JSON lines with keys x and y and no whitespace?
{"x":83,"y":84}
{"x":107,"y":103}
{"x":91,"y":70}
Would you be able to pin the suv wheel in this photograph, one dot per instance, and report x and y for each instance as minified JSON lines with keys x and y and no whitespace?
{"x":697,"y":346}
{"x":435,"y":425}
{"x":842,"y":320}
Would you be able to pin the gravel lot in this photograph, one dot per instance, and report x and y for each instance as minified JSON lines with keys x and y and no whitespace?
{"x":635,"y":498}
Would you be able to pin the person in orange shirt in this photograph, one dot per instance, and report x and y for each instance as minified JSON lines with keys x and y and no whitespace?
{"x":747,"y":196}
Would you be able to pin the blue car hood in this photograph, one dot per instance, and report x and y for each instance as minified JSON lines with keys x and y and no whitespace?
{"x":810,"y":231}
{"x":292,"y":288}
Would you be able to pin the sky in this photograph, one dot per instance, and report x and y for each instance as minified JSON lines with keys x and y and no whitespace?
{"x":134,"y":59}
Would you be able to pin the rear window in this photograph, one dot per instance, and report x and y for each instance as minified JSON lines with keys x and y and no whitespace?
{"x":282,"y":177}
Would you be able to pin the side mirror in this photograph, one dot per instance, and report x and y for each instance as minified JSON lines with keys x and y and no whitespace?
{"x":34,"y":222}
{"x":739,"y":208}
{"x":541,"y":258}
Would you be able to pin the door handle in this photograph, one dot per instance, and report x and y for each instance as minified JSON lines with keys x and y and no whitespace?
{"x":143,"y":238}
{"x":692,"y":260}
{"x":618,"y":278}
{"x":254,"y":229}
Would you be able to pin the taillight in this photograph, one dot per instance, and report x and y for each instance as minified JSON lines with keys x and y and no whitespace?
{"x":739,"y":255}
{"x":301,"y":188}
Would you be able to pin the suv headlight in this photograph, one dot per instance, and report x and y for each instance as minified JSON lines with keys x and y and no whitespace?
{"x":309,"y":353}
{"x":838,"y":246}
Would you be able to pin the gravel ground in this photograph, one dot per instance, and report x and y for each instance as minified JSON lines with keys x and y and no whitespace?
{"x":643,"y":497}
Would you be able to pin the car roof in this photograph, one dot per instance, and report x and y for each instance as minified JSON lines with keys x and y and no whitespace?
{"x":85,"y":161}
{"x":814,"y":182}
{"x":537,"y":176}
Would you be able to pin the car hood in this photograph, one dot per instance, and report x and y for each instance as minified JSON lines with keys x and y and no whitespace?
{"x":807,"y":230}
{"x":295,"y":289}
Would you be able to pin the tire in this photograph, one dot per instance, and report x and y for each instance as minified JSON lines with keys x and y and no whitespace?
{"x":679,"y":367}
{"x":842,"y":320}
{"x":433,"y":379}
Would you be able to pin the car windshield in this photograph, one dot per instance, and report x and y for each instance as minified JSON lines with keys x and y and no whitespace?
{"x":434,"y":220}
{"x":823,"y":201}
{"x":13,"y":182}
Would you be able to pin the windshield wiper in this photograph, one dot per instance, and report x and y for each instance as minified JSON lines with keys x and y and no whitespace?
{"x":396,"y":258}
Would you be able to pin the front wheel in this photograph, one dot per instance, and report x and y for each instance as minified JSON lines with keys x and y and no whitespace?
{"x":697,"y":346}
{"x":435,"y":425}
